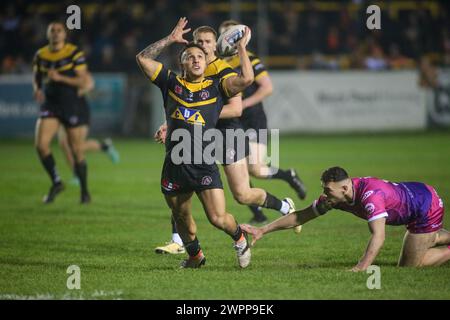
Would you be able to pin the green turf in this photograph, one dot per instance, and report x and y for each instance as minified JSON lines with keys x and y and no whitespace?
{"x":112,"y":240}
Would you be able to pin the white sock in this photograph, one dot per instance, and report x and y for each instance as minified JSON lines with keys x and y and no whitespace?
{"x":285,"y":207}
{"x":176,"y":238}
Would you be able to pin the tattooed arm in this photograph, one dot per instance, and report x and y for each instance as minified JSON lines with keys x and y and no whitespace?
{"x":145,"y":58}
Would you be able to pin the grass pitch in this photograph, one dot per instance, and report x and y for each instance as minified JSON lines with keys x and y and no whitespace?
{"x":112,"y":240}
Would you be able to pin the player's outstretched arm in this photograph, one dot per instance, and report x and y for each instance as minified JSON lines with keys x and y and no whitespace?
{"x":288,"y":221}
{"x":377,"y":228}
{"x":161,"y":133}
{"x":234,"y":85}
{"x":146,"y":58}
{"x":265,"y":89}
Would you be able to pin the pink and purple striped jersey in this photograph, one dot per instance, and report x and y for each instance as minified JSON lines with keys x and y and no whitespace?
{"x":413,"y":204}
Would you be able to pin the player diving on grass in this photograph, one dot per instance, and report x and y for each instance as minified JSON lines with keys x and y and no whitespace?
{"x":234,"y":162}
{"x":193,"y":103}
{"x":380,"y":202}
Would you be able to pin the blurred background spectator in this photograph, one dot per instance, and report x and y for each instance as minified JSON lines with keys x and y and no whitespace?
{"x":299,"y":34}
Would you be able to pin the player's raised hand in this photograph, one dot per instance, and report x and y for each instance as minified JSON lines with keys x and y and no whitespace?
{"x":179,"y":31}
{"x":242,"y":43}
{"x":160,"y":135}
{"x":255,"y":232}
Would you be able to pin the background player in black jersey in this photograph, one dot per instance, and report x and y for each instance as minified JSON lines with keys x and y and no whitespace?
{"x":90,"y":145}
{"x":60,"y":70}
{"x":234,"y":162}
{"x":254,"y":117}
{"x":193,"y":94}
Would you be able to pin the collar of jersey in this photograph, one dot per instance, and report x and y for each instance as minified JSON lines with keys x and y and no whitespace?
{"x":65,"y":52}
{"x":193,"y":86}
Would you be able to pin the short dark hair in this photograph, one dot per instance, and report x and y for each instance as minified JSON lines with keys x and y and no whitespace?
{"x":227,"y":23}
{"x":57,"y":22}
{"x":204,"y":29}
{"x":189,"y":45}
{"x":334,"y":174}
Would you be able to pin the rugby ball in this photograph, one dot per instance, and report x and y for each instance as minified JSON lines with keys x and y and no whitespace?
{"x":226,"y":44}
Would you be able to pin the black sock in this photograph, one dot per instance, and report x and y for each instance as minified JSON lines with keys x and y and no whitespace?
{"x":49,"y":164}
{"x":193,"y":247}
{"x":237,"y":234}
{"x":104,"y":146}
{"x":81,"y":171}
{"x":174,"y":226}
{"x":257,"y":211}
{"x":272,"y":202}
{"x":280,"y":174}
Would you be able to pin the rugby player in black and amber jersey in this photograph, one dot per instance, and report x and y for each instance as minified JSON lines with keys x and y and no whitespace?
{"x":254,"y":117}
{"x":193,"y":102}
{"x":60,"y":71}
{"x":234,"y":160}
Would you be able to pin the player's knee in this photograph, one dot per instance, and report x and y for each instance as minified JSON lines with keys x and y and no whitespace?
{"x":217,"y":220}
{"x":63,"y":143}
{"x":242,"y":196}
{"x":43,"y":149}
{"x":78,"y":152}
{"x":255,"y":171}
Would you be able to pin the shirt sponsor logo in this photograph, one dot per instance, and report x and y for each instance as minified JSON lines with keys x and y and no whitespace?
{"x":370,"y":208}
{"x":169,"y":186}
{"x":367,"y":194}
{"x":188,"y":115}
{"x":436,"y":225}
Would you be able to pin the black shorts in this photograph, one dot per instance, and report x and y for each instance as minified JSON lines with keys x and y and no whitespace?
{"x":233,"y":147}
{"x":71,"y":113}
{"x":255,"y":118}
{"x":185,"y":178}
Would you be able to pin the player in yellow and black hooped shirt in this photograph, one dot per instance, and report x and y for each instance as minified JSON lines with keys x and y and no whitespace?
{"x":193,"y":100}
{"x":254,"y":117}
{"x":233,"y":160}
{"x":60,"y":71}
